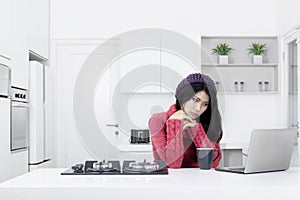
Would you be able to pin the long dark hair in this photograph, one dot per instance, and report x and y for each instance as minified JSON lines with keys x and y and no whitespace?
{"x":211,"y":118}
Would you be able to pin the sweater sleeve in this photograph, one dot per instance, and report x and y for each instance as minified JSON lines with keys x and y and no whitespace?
{"x":200,"y":139}
{"x":166,"y":137}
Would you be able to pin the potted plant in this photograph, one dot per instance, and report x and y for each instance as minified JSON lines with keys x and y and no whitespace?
{"x":222,"y":49}
{"x":258,"y":50}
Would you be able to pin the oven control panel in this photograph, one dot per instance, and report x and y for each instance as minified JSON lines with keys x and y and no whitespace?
{"x":19,"y":94}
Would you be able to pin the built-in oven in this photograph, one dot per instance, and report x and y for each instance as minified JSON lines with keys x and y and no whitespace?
{"x":4,"y":78}
{"x":19,"y":119}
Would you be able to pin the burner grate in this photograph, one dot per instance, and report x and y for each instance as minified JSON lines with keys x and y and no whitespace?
{"x":93,"y":167}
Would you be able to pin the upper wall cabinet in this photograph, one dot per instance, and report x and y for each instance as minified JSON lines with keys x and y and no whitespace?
{"x":38,"y":33}
{"x":18,"y":43}
{"x":153,"y":71}
{"x":241,"y":74}
{"x":24,"y":27}
{"x":159,"y":70}
{"x":5,"y":27}
{"x":140,"y":72}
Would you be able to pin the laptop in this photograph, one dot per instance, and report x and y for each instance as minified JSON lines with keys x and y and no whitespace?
{"x":269,"y":150}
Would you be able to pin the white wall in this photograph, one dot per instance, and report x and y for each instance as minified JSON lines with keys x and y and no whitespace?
{"x":288,"y":17}
{"x":94,"y":18}
{"x":104,"y":19}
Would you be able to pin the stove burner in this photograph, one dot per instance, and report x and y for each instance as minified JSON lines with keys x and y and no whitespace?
{"x":132,"y":167}
{"x":102,"y":167}
{"x":93,"y":167}
{"x":144,"y":165}
{"x":106,"y":165}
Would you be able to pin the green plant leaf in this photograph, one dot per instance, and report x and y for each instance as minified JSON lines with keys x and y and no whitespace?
{"x":258,"y":49}
{"x":222,"y":49}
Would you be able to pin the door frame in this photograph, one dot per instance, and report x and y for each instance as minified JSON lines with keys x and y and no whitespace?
{"x":293,"y":35}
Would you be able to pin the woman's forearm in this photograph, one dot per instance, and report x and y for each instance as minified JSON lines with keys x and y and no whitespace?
{"x":167,"y":141}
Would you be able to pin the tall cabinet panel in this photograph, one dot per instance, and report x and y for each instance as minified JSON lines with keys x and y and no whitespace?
{"x":49,"y":105}
{"x":38,"y":33}
{"x":5,"y":140}
{"x":5,"y":27}
{"x":25,"y":28}
{"x":18,"y":46}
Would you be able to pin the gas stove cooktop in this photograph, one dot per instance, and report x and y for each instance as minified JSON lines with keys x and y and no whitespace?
{"x":93,"y":167}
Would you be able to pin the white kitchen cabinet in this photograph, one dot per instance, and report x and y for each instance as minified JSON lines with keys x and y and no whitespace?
{"x":153,"y":71}
{"x":19,"y":63}
{"x":159,"y":70}
{"x":140,"y":71}
{"x":25,"y":27}
{"x":5,"y":27}
{"x":173,"y":70}
{"x":49,"y":113}
{"x":5,"y":138}
{"x":241,"y":67}
{"x":38,"y":27}
{"x":18,"y":47}
{"x":180,"y":57}
{"x":18,"y":163}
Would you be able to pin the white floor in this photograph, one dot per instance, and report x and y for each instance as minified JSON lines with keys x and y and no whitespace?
{"x":295,"y":160}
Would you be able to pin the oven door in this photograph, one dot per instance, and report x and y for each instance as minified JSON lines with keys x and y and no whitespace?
{"x":19,"y":125}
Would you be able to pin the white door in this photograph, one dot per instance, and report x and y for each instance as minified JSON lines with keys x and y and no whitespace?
{"x":72,"y":145}
{"x":292,"y":83}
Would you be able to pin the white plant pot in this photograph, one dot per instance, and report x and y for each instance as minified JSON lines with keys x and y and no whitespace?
{"x":223,"y":59}
{"x":257,"y":59}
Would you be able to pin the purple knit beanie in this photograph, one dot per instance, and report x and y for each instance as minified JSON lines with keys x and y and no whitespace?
{"x":196,"y":78}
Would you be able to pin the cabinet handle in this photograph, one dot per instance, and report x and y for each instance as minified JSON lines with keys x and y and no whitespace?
{"x":113,"y":125}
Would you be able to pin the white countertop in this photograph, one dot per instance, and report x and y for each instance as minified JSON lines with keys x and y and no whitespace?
{"x":179,"y":184}
{"x":135,"y":147}
{"x":148,"y":147}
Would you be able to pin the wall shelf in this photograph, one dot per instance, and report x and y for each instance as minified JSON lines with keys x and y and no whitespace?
{"x":241,"y":67}
{"x":249,"y":93}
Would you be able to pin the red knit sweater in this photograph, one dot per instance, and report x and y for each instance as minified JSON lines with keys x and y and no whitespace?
{"x":176,"y":146}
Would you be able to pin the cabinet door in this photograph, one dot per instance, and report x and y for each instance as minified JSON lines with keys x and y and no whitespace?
{"x":49,"y":112}
{"x":19,"y":43}
{"x":179,"y":58}
{"x":38,"y":33}
{"x":5,"y":27}
{"x":5,"y":138}
{"x":173,"y":70}
{"x":19,"y":65}
{"x":139,"y":72}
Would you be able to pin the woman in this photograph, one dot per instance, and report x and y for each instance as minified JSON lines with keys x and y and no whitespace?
{"x":193,"y":122}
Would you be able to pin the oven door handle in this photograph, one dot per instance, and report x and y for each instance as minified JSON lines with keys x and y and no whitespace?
{"x":19,"y":104}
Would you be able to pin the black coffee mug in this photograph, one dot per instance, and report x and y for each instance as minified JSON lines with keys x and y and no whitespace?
{"x":205,"y":157}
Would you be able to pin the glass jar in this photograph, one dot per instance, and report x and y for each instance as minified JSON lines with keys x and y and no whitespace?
{"x":239,"y":86}
{"x":263,"y":86}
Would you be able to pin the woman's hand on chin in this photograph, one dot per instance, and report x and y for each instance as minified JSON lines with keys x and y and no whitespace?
{"x":186,"y":120}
